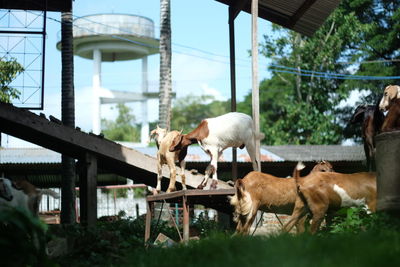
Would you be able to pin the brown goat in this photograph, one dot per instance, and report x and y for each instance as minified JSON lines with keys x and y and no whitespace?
{"x":268,"y":193}
{"x":372,"y":119}
{"x":164,"y":140}
{"x":392,"y":119}
{"x":320,"y":193}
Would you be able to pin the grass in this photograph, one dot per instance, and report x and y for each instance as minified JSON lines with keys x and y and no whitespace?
{"x":364,"y":249}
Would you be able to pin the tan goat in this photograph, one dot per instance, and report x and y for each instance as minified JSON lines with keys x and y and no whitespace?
{"x":268,"y":193}
{"x":164,"y":156}
{"x":320,"y":193}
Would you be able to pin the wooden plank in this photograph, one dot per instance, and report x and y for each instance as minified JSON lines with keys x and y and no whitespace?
{"x":111,"y":156}
{"x":87,"y":190}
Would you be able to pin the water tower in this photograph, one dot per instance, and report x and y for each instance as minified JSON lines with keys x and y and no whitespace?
{"x":115,"y":37}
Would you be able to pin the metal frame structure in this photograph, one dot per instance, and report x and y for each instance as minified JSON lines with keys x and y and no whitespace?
{"x":8,"y":52}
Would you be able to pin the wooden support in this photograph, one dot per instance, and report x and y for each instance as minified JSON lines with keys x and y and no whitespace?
{"x":185,"y":205}
{"x":232,"y":15}
{"x":88,"y":192}
{"x":255,"y":84}
{"x":149,"y":215}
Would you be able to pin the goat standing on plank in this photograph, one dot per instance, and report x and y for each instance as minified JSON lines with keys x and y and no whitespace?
{"x":325,"y":192}
{"x":268,"y":193}
{"x":372,"y":120}
{"x":164,"y":156}
{"x":214,"y":135}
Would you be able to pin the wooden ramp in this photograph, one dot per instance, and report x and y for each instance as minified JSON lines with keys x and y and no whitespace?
{"x":91,"y":150}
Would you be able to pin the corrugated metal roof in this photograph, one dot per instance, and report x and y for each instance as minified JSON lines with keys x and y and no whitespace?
{"x":318,"y":152}
{"x":303,"y":16}
{"x":196,"y":154}
{"x":28,"y":155}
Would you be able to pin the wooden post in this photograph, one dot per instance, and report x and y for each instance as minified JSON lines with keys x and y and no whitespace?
{"x":185,"y":219}
{"x":255,"y":84}
{"x":149,"y":215}
{"x":88,"y":192}
{"x":233,"y":81}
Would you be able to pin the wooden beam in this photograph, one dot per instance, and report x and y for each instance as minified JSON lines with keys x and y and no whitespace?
{"x":87,"y":190}
{"x":235,"y":7}
{"x":111,"y":156}
{"x":232,"y":58}
{"x":255,"y":84}
{"x":300,"y":12}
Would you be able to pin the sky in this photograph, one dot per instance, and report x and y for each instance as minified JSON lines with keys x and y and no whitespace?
{"x":200,"y":57}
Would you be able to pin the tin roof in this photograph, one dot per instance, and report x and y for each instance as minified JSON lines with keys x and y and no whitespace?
{"x":318,"y":152}
{"x":303,"y":16}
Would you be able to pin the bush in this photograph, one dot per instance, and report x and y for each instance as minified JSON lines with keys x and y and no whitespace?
{"x":355,"y":220}
{"x":23,"y":239}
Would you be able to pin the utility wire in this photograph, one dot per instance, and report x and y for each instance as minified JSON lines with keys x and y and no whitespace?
{"x":277,"y":67}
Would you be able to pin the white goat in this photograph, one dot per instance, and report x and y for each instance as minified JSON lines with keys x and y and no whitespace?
{"x":22,"y":194}
{"x":214,"y":135}
{"x":164,"y":156}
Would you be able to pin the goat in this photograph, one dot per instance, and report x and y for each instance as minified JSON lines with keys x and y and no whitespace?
{"x":164,"y":140}
{"x":214,"y":135}
{"x":321,"y":192}
{"x":392,"y":119}
{"x":390,"y":93}
{"x":23,"y":194}
{"x":372,"y":120}
{"x":268,"y":193}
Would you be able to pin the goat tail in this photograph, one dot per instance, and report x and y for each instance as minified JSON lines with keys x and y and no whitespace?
{"x":50,"y":192}
{"x":241,"y":201}
{"x":259,"y":136}
{"x":296,"y":173}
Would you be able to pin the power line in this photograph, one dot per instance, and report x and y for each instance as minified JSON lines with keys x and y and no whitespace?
{"x":301,"y":72}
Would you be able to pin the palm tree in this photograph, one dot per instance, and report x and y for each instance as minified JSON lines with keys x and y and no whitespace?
{"x":165,"y":65}
{"x":68,"y":118}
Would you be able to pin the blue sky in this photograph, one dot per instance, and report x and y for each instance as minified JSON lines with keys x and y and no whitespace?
{"x":196,"y":25}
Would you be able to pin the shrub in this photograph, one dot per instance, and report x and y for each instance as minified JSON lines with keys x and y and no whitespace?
{"x":23,"y":239}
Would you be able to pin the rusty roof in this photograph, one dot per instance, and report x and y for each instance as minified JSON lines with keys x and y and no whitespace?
{"x":303,"y":16}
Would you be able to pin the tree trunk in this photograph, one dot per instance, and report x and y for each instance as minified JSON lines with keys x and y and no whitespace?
{"x":68,"y":118}
{"x":165,"y":65}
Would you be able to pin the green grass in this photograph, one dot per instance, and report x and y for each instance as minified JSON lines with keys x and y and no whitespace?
{"x":365,"y":249}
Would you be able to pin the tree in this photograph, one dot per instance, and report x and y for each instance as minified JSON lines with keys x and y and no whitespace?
{"x":68,"y":118}
{"x":9,"y":70}
{"x":165,"y":64}
{"x":188,"y":111}
{"x":123,"y":128}
{"x":303,"y":108}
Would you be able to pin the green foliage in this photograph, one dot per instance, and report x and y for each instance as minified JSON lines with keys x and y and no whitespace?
{"x":22,"y":239}
{"x":205,"y":226}
{"x":355,"y":220}
{"x":123,"y":128}
{"x":139,"y":192}
{"x":188,"y":111}
{"x":298,"y":109}
{"x":9,"y":70}
{"x":366,"y":249}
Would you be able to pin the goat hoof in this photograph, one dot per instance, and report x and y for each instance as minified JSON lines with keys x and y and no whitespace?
{"x":213,"y":185}
{"x":200,"y":186}
{"x":169,"y":190}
